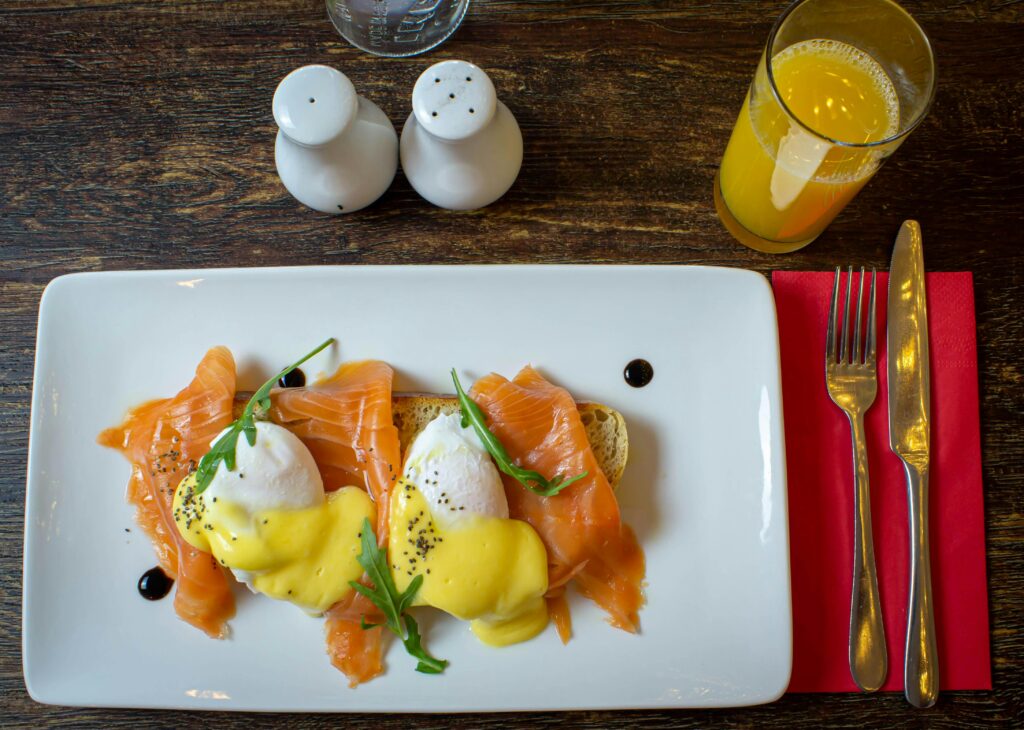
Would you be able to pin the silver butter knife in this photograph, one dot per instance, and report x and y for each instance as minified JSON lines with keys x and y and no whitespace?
{"x":909,"y":436}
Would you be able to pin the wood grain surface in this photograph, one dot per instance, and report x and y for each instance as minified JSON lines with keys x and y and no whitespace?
{"x":138,"y":135}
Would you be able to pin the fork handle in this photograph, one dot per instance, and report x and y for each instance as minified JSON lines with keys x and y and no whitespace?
{"x":868,"y":661}
{"x":921,"y":669}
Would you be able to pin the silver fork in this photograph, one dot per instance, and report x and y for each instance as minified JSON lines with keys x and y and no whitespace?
{"x":851,"y":374}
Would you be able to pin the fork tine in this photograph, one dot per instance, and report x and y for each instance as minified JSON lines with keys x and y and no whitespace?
{"x":857,"y":351}
{"x":844,"y":349}
{"x":830,"y":336}
{"x":870,"y":354}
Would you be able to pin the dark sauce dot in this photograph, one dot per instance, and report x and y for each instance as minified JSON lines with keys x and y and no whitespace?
{"x":638,"y":373}
{"x":154,"y":584}
{"x":295,"y":379}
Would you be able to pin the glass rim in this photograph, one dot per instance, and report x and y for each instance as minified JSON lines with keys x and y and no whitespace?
{"x":838,"y":142}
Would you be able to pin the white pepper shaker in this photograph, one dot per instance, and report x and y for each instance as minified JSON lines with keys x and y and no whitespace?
{"x":336,"y":151}
{"x":461,"y":147}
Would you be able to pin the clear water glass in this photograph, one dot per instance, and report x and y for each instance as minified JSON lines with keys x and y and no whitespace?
{"x":396,"y":27}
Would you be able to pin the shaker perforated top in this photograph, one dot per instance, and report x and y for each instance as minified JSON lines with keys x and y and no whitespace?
{"x":314,"y":104}
{"x":454,"y":100}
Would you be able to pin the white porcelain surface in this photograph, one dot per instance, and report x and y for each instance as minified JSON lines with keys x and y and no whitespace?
{"x":336,"y":152}
{"x":461,"y":148}
{"x":705,"y":488}
{"x":454,"y":100}
{"x":314,"y":104}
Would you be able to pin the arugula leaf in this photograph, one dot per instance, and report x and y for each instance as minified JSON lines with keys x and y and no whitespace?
{"x":405,"y":600}
{"x":223,"y":450}
{"x":426,"y":664}
{"x":532,"y":480}
{"x":391,"y":603}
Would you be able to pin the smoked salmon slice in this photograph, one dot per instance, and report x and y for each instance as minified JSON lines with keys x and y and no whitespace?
{"x":164,"y":440}
{"x":558,"y":610}
{"x":581,"y":527}
{"x":357,"y":652}
{"x":346,"y":423}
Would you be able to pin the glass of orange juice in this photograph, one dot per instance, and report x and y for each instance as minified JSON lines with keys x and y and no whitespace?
{"x":840,"y":85}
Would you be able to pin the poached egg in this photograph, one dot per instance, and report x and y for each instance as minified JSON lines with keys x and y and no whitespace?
{"x":449,"y":523}
{"x":270,"y":522}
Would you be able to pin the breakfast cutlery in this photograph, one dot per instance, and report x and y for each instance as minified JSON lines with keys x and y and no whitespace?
{"x":851,"y":375}
{"x":909,"y":413}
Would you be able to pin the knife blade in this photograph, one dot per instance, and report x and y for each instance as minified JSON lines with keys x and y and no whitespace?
{"x":909,"y":438}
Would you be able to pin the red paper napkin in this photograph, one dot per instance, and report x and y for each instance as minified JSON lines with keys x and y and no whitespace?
{"x":819,"y":462}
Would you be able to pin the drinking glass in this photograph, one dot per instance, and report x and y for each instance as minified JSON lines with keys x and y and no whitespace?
{"x":396,"y":27}
{"x":840,"y":85}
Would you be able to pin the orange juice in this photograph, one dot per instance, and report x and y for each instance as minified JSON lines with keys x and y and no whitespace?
{"x":784,"y":181}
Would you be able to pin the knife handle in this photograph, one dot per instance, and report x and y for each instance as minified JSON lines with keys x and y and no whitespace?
{"x":868,"y":661}
{"x":921,"y":668}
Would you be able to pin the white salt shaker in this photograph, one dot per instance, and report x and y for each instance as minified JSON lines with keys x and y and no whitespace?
{"x":336,"y":151}
{"x":461,"y":147}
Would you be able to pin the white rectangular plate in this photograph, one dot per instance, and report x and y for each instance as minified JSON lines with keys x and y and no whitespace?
{"x":705,"y":487}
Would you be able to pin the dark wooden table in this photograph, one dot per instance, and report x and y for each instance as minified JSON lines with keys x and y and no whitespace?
{"x":138,"y":135}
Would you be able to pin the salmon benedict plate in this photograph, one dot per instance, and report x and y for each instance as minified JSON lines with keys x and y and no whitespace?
{"x":364,"y":507}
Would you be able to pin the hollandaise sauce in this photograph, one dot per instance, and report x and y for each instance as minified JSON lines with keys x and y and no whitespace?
{"x":304,"y":556}
{"x":487,"y":570}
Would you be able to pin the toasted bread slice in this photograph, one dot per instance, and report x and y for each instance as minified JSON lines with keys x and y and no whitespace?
{"x":411,"y":412}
